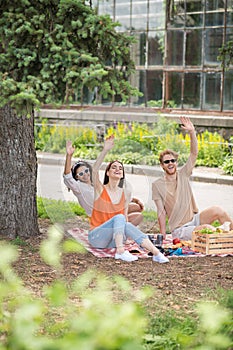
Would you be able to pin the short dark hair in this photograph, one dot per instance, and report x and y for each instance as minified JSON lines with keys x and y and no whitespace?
{"x":78,"y":165}
{"x":106,"y":177}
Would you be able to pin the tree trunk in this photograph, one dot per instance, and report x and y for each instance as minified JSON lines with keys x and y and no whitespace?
{"x":18,"y":173}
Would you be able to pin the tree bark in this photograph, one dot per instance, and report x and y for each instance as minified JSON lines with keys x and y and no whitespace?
{"x":18,"y":173}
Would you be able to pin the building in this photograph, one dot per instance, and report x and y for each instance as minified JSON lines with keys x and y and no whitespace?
{"x":176,"y":53}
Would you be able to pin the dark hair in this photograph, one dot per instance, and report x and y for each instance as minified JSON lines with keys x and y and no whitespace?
{"x":106,"y":177}
{"x":78,"y":165}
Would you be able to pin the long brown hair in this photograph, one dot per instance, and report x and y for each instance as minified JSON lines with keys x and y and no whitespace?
{"x":106,"y":177}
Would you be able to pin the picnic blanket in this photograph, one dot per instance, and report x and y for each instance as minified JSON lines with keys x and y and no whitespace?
{"x":81,"y":235}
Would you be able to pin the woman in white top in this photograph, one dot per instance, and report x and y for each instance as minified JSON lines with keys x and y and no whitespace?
{"x":79,"y":179}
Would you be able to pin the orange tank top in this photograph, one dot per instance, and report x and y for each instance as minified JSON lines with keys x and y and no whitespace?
{"x":104,"y":209}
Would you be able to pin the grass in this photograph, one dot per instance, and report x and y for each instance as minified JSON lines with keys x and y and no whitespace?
{"x":58,"y":211}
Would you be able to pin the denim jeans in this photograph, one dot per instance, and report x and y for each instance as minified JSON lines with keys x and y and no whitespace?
{"x":103,"y":236}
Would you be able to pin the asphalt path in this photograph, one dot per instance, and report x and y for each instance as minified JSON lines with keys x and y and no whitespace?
{"x":50,"y":185}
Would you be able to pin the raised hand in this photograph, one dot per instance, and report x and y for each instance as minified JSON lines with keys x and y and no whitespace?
{"x":109,"y":143}
{"x":187,"y":124}
{"x":69,"y":148}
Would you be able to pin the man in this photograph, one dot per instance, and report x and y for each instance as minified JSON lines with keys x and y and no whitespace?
{"x":173,"y":194}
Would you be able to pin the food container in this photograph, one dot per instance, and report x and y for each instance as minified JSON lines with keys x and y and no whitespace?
{"x":214,"y":243}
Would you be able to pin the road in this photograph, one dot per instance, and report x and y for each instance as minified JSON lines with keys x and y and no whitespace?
{"x":50,"y":185}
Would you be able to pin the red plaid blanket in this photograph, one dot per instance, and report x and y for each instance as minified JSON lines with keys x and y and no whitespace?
{"x":81,"y":236}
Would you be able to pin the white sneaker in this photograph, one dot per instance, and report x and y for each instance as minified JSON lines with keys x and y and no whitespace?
{"x":160,"y":258}
{"x":126,"y":256}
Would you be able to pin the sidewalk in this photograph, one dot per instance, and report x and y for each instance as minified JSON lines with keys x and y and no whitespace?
{"x":200,"y":174}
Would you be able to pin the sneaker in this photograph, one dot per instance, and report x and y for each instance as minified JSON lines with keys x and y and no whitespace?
{"x":126,"y":256}
{"x":160,"y":258}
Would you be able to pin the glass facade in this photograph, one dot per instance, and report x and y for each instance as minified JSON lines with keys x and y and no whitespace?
{"x":176,"y":52}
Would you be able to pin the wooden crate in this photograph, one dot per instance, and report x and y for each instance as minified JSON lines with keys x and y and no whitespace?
{"x":215,"y":243}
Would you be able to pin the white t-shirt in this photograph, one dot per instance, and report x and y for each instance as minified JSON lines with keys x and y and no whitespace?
{"x":84,"y":192}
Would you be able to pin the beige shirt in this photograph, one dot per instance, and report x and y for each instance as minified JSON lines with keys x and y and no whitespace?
{"x":177,"y":197}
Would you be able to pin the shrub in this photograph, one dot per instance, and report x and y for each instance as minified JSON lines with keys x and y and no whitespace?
{"x":136,"y":143}
{"x":212,"y":149}
{"x":227,"y":165}
{"x":125,"y":158}
{"x":81,"y":316}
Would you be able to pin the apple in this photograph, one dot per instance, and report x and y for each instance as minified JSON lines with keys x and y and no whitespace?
{"x":176,"y":241}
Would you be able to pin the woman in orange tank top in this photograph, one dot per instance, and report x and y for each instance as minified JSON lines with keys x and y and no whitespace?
{"x":108,"y":224}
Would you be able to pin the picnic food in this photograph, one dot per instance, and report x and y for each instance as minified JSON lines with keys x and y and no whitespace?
{"x":176,"y":240}
{"x":206,"y":230}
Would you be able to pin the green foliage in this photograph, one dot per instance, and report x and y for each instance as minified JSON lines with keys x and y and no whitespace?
{"x":159,"y":103}
{"x":212,"y":331}
{"x":226,"y":54}
{"x":212,"y":149}
{"x":83,"y":315}
{"x":87,"y":152}
{"x":52,"y":138}
{"x":151,"y":159}
{"x":149,"y":215}
{"x":58,"y":211}
{"x":141,"y":134}
{"x":227,"y":165}
{"x":19,"y":242}
{"x":128,"y":144}
{"x":78,"y":314}
{"x":126,"y":158}
{"x":137,"y":143}
{"x":51,"y":50}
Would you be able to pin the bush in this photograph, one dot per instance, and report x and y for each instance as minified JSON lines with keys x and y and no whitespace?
{"x":136,"y":143}
{"x":212,"y":149}
{"x":227,"y":165}
{"x":81,"y":316}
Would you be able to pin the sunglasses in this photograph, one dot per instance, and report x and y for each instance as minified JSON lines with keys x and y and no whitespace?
{"x":83,"y":172}
{"x":169,"y":161}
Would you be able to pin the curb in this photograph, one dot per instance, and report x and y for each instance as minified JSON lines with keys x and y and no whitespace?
{"x":154,"y":171}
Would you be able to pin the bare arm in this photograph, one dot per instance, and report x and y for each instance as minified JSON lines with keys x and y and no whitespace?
{"x":127,"y":201}
{"x":69,"y":153}
{"x":161,"y":217}
{"x":188,"y":126}
{"x":108,"y":145}
{"x":138,"y":202}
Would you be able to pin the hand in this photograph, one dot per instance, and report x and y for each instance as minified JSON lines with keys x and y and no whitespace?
{"x":187,"y":124}
{"x":69,"y":148}
{"x":109,"y":143}
{"x":138,"y":202}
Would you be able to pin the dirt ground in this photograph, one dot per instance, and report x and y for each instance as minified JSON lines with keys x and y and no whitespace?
{"x":177,"y":285}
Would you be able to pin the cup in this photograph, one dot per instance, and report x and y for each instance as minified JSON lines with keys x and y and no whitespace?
{"x":152,"y":239}
{"x":159,"y":240}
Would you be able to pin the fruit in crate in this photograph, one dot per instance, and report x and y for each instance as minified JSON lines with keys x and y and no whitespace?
{"x":208,"y":229}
